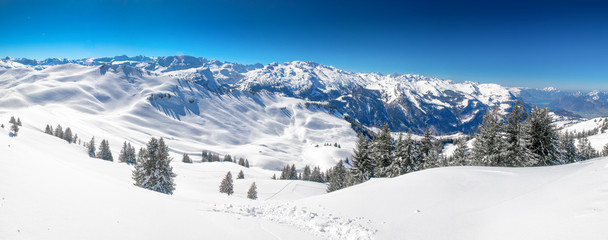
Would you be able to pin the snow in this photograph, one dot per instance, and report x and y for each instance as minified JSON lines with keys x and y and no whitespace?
{"x":51,"y":189}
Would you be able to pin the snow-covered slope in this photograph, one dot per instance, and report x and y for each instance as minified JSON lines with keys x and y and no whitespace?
{"x":52,"y":190}
{"x":122,"y":103}
{"x":406,"y":102}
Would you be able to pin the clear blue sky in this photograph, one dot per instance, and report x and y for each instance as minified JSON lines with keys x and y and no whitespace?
{"x":514,"y":43}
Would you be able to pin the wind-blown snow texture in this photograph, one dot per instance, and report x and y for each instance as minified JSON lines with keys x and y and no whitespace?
{"x":53,"y":190}
{"x":404,"y":101}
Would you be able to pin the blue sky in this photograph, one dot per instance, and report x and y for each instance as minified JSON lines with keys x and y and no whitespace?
{"x":514,"y":43}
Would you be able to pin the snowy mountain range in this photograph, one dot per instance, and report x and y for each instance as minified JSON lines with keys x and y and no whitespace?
{"x":406,"y":102}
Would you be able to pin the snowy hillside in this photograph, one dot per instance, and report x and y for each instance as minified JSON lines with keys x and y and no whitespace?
{"x":404,"y":101}
{"x":52,"y":190}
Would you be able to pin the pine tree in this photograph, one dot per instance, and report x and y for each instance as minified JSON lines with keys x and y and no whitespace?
{"x":274,"y":176}
{"x":427,"y":156}
{"x":397,"y":166}
{"x":517,"y":136}
{"x":226,"y":185}
{"x":14,"y":126}
{"x":543,"y":136}
{"x":227,"y":158}
{"x":488,"y":149}
{"x":67,"y":135}
{"x":411,"y":154}
{"x":253,"y":192}
{"x":605,"y":151}
{"x":48,"y":130}
{"x":122,"y":157}
{"x":382,"y":149}
{"x":59,"y":132}
{"x":246,"y":163}
{"x":204,"y":156}
{"x":91,"y":147}
{"x":337,"y":178}
{"x":461,"y":154}
{"x":293,"y":174}
{"x":362,"y":162}
{"x":153,"y":170}
{"x":241,"y":175}
{"x":316,"y":175}
{"x":104,"y":151}
{"x":568,"y":152}
{"x":306,"y":173}
{"x":242,"y":162}
{"x":186,"y":158}
{"x":585,"y":150}
{"x":131,"y":157}
{"x":19,"y":122}
{"x":75,"y":138}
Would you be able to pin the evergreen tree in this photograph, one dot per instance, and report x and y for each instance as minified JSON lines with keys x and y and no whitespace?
{"x":75,"y":138}
{"x":104,"y":151}
{"x":398,"y":165}
{"x":543,"y":136}
{"x":242,"y":162}
{"x":585,"y":150}
{"x":241,"y":175}
{"x":293,"y":174}
{"x":227,"y":158}
{"x":14,"y":126}
{"x":91,"y":147}
{"x":274,"y":176}
{"x":186,"y":158}
{"x":382,"y":148}
{"x":461,"y":154}
{"x":568,"y":152}
{"x":67,"y":135}
{"x":19,"y":122}
{"x":131,"y":157}
{"x":306,"y":173}
{"x":517,"y":138}
{"x":316,"y":175}
{"x":605,"y":151}
{"x":253,"y":192}
{"x":59,"y":132}
{"x":226,"y":185}
{"x":362,"y":162}
{"x":246,"y":163}
{"x":153,"y":170}
{"x":122,"y":157}
{"x":48,"y":130}
{"x":204,"y":156}
{"x":488,"y":149}
{"x":337,"y":178}
{"x":411,"y":154}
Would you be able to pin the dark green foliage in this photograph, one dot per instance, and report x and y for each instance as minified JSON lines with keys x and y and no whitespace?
{"x":226,"y":185}
{"x":543,"y":137}
{"x":337,"y":178}
{"x":59,"y":132}
{"x":91,"y":147}
{"x":48,"y":130}
{"x":381,"y":154}
{"x":241,"y":175}
{"x":153,"y":170}
{"x":186,"y":158}
{"x":67,"y":135}
{"x":253,"y":192}
{"x":488,"y":149}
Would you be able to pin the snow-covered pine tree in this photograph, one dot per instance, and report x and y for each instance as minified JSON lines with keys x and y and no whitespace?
{"x":517,"y":138}
{"x":19,"y":122}
{"x":252,"y":193}
{"x":122,"y":157}
{"x":153,"y":170}
{"x":567,"y":148}
{"x":337,"y":178}
{"x":59,"y":132}
{"x":382,"y":151}
{"x":75,"y":138}
{"x":204,"y":156}
{"x":460,"y":157}
{"x":293,"y":173}
{"x":585,"y":150}
{"x":14,"y":125}
{"x":186,"y":158}
{"x":67,"y":135}
{"x":274,"y":176}
{"x":363,"y":165}
{"x":48,"y":130}
{"x":227,"y":158}
{"x":543,"y":137}
{"x":426,"y":150}
{"x":605,"y":151}
{"x":316,"y":175}
{"x":241,"y":175}
{"x":246,"y":163}
{"x":410,"y":153}
{"x":91,"y":147}
{"x":397,"y":166}
{"x":489,"y":145}
{"x":104,"y":151}
{"x":306,"y":173}
{"x":226,"y":185}
{"x":242,"y":162}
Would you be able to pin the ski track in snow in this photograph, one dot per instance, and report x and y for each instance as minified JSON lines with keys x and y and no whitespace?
{"x":326,"y":226}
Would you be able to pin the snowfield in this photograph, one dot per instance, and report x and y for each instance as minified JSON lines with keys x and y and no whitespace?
{"x":52,"y":190}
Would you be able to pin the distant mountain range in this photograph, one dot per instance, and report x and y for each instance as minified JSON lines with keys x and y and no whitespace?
{"x":405,"y":102}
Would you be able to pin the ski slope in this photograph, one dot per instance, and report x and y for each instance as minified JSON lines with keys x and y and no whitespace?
{"x":52,"y":190}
